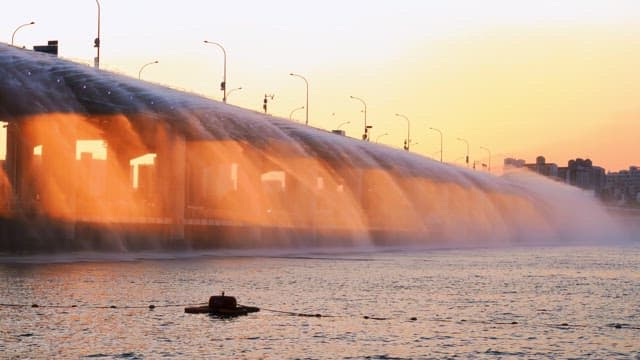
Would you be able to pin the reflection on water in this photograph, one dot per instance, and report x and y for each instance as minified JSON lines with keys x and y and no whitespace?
{"x":523,"y":303}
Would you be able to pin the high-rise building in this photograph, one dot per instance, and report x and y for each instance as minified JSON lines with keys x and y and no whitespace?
{"x":624,"y":185}
{"x":542,"y":167}
{"x":583,"y":174}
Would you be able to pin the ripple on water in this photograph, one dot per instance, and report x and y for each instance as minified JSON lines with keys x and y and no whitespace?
{"x":485,"y":303}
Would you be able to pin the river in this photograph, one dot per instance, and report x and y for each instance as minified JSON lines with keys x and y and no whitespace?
{"x":522,"y":302}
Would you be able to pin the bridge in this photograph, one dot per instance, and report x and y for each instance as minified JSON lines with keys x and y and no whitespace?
{"x":220,"y":175}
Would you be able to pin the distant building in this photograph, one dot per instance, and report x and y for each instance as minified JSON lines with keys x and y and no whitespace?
{"x":580,"y":173}
{"x":543,"y":168}
{"x":583,"y":174}
{"x":513,"y":163}
{"x":623,"y":186}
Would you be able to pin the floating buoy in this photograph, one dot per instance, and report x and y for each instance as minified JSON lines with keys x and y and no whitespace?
{"x":222,"y":305}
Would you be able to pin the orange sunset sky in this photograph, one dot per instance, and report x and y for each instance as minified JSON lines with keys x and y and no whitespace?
{"x":521,"y":78}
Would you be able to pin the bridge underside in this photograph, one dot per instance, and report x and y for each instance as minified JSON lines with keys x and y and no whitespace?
{"x":161,"y":190}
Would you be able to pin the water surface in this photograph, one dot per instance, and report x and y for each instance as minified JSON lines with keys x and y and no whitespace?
{"x":541,"y":302}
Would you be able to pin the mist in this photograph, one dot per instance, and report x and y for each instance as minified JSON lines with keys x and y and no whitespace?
{"x":226,"y":177}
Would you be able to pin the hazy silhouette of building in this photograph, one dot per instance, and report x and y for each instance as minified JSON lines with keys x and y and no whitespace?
{"x":513,"y":163}
{"x":579,"y":172}
{"x":543,"y":168}
{"x":583,"y":174}
{"x":623,"y":186}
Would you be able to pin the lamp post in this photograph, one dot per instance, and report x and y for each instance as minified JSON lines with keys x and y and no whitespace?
{"x":306,"y":122}
{"x":96,"y":41}
{"x":18,"y":28}
{"x":342,"y":124}
{"x":264,"y":103}
{"x":223,"y":84}
{"x":381,"y":135}
{"x":434,"y":129}
{"x":365,"y":136}
{"x":144,"y":66}
{"x":466,"y":142}
{"x":489,"y":151}
{"x":233,"y":90}
{"x":407,"y":143}
{"x":294,"y":110}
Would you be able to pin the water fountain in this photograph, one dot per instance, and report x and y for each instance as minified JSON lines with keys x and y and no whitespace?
{"x":223,"y":176}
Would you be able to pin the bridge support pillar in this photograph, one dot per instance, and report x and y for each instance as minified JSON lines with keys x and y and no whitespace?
{"x":19,"y":159}
{"x":171,"y":172}
{"x":249,"y":191}
{"x":301,"y":188}
{"x":353,"y":184}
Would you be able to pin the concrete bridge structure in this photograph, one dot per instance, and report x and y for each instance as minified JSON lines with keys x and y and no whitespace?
{"x":222,"y":175}
{"x":227,"y":177}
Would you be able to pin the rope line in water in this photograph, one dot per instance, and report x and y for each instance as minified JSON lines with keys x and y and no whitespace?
{"x":295,"y":313}
{"x":151,"y":306}
{"x":366,"y":317}
{"x":317,"y":315}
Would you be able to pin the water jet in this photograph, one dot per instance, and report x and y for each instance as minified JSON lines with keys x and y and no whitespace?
{"x":227,"y":177}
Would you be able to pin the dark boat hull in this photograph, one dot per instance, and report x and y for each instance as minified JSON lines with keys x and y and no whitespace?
{"x":238,"y":311}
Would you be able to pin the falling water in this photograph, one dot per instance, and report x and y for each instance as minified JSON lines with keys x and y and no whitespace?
{"x":223,"y":176}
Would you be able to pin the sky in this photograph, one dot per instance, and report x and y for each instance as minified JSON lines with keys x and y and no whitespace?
{"x":512,"y":78}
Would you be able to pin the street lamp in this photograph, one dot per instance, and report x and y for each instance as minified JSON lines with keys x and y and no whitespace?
{"x":223,"y":84}
{"x":96,"y":41}
{"x":294,"y":110}
{"x":434,"y":129}
{"x":264,"y":103}
{"x":489,"y":151}
{"x":408,"y":141}
{"x":342,"y":124}
{"x":144,"y":66}
{"x":306,"y":122}
{"x":466,"y":142}
{"x":18,"y":28}
{"x":232,"y":90}
{"x":365,"y":136}
{"x":379,"y":136}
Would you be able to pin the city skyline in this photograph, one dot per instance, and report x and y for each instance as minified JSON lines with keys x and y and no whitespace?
{"x":520,"y":79}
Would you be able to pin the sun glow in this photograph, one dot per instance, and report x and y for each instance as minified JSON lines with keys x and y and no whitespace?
{"x":551,"y":78}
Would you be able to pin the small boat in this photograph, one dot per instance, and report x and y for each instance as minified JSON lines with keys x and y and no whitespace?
{"x":221,"y":305}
